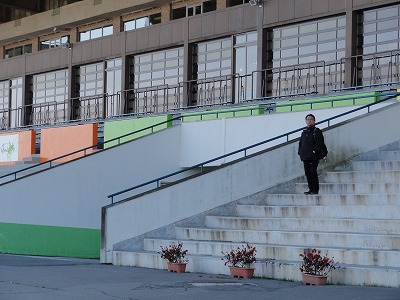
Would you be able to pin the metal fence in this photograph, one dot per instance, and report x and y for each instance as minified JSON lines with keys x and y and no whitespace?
{"x":304,"y":79}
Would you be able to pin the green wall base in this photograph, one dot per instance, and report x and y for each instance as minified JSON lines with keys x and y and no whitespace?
{"x":49,"y":240}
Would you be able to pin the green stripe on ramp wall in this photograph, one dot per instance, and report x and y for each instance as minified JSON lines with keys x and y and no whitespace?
{"x":223,"y":113}
{"x":117,"y":128}
{"x":49,"y":240}
{"x":332,"y":101}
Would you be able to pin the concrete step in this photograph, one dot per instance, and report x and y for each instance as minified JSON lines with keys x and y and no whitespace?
{"x":353,"y":188}
{"x":296,"y":224}
{"x":376,"y":165}
{"x":33,"y":159}
{"x":368,"y":257}
{"x":355,"y":219}
{"x":362,"y":176}
{"x":284,"y":270}
{"x":383,"y":212}
{"x":331,"y":199}
{"x":301,"y":238}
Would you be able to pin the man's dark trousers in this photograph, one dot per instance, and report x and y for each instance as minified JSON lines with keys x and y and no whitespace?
{"x":310,"y":169}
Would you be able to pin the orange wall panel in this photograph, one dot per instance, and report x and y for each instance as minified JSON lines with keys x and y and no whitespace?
{"x":55,"y":142}
{"x":26,"y":144}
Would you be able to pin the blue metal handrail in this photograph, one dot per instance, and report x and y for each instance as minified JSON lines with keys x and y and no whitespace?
{"x":233,"y":110}
{"x":202,"y":164}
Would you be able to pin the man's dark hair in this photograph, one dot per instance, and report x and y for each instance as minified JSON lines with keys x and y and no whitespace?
{"x":310,"y":115}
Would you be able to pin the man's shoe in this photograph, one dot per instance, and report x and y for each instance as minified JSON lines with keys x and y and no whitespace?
{"x":308,"y":193}
{"x":313,"y":193}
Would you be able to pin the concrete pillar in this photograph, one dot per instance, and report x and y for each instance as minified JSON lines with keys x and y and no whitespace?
{"x":165,"y":12}
{"x":351,"y":45}
{"x":261,"y":51}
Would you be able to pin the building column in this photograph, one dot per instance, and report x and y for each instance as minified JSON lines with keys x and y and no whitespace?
{"x":350,"y":76}
{"x":124,"y":77}
{"x":187,"y":62}
{"x":165,"y":13}
{"x":261,"y":49}
{"x":117,"y":24}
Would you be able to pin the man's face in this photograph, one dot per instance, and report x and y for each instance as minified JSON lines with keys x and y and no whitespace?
{"x":310,"y":121}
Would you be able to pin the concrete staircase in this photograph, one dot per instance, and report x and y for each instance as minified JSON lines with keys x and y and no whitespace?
{"x":355,"y":219}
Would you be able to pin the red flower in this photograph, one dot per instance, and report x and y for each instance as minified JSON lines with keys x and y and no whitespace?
{"x":174,"y":253}
{"x":241,"y":257}
{"x":315,"y":264}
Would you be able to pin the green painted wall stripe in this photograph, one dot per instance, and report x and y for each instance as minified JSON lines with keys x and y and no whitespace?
{"x":375,"y":96}
{"x":230,"y":113}
{"x":49,"y":240}
{"x":118,"y":128}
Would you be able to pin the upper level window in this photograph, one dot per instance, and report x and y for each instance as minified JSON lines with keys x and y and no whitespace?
{"x":230,"y":3}
{"x":95,"y":33}
{"x":18,"y":51}
{"x":53,"y":43}
{"x":195,"y":9}
{"x":142,"y":22}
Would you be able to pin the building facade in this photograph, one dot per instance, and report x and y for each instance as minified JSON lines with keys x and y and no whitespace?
{"x":82,"y":61}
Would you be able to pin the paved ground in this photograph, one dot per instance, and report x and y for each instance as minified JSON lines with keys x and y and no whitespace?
{"x":43,"y":278}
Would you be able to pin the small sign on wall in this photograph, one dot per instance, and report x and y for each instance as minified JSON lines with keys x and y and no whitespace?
{"x":9,"y":148}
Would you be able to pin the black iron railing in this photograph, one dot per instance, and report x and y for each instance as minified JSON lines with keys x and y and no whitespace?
{"x":245,"y":149}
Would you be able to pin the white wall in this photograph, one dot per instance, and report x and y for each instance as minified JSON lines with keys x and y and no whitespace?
{"x":234,"y":181}
{"x":72,"y":194}
{"x":204,"y":140}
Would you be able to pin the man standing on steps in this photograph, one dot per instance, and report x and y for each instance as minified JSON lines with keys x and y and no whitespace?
{"x":311,"y":140}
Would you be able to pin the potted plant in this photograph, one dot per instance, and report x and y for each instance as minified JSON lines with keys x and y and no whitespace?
{"x":175,"y":256}
{"x":315,"y":267}
{"x":239,"y":261}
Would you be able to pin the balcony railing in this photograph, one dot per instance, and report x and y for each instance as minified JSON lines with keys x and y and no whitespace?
{"x":298,"y":80}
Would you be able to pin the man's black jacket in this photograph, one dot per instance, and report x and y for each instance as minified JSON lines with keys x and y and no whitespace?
{"x":311,"y":141}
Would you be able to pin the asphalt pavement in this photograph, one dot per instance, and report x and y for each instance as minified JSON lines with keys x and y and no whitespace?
{"x":45,"y":278}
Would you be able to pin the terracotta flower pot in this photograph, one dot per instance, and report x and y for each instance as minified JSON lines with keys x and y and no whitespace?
{"x":242,"y":272}
{"x":314,"y":279}
{"x":176,"y":267}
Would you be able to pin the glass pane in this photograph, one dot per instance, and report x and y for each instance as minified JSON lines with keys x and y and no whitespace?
{"x":155,"y":19}
{"x":107,"y":30}
{"x":308,"y":28}
{"x":240,"y":64}
{"x":388,"y":12}
{"x":142,"y":22}
{"x":129,"y":25}
{"x":388,"y":24}
{"x":96,"y":33}
{"x":84,"y":36}
{"x":251,"y":59}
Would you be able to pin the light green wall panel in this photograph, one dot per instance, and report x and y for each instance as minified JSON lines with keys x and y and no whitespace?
{"x":118,"y":128}
{"x":49,"y":240}
{"x":318,"y":103}
{"x":224,"y":113}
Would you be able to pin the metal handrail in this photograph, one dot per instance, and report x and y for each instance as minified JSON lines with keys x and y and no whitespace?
{"x":233,"y":110}
{"x":87,"y":148}
{"x":202,"y":164}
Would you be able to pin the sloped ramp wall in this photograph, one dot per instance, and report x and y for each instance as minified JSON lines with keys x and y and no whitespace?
{"x":57,"y":212}
{"x":234,"y":181}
